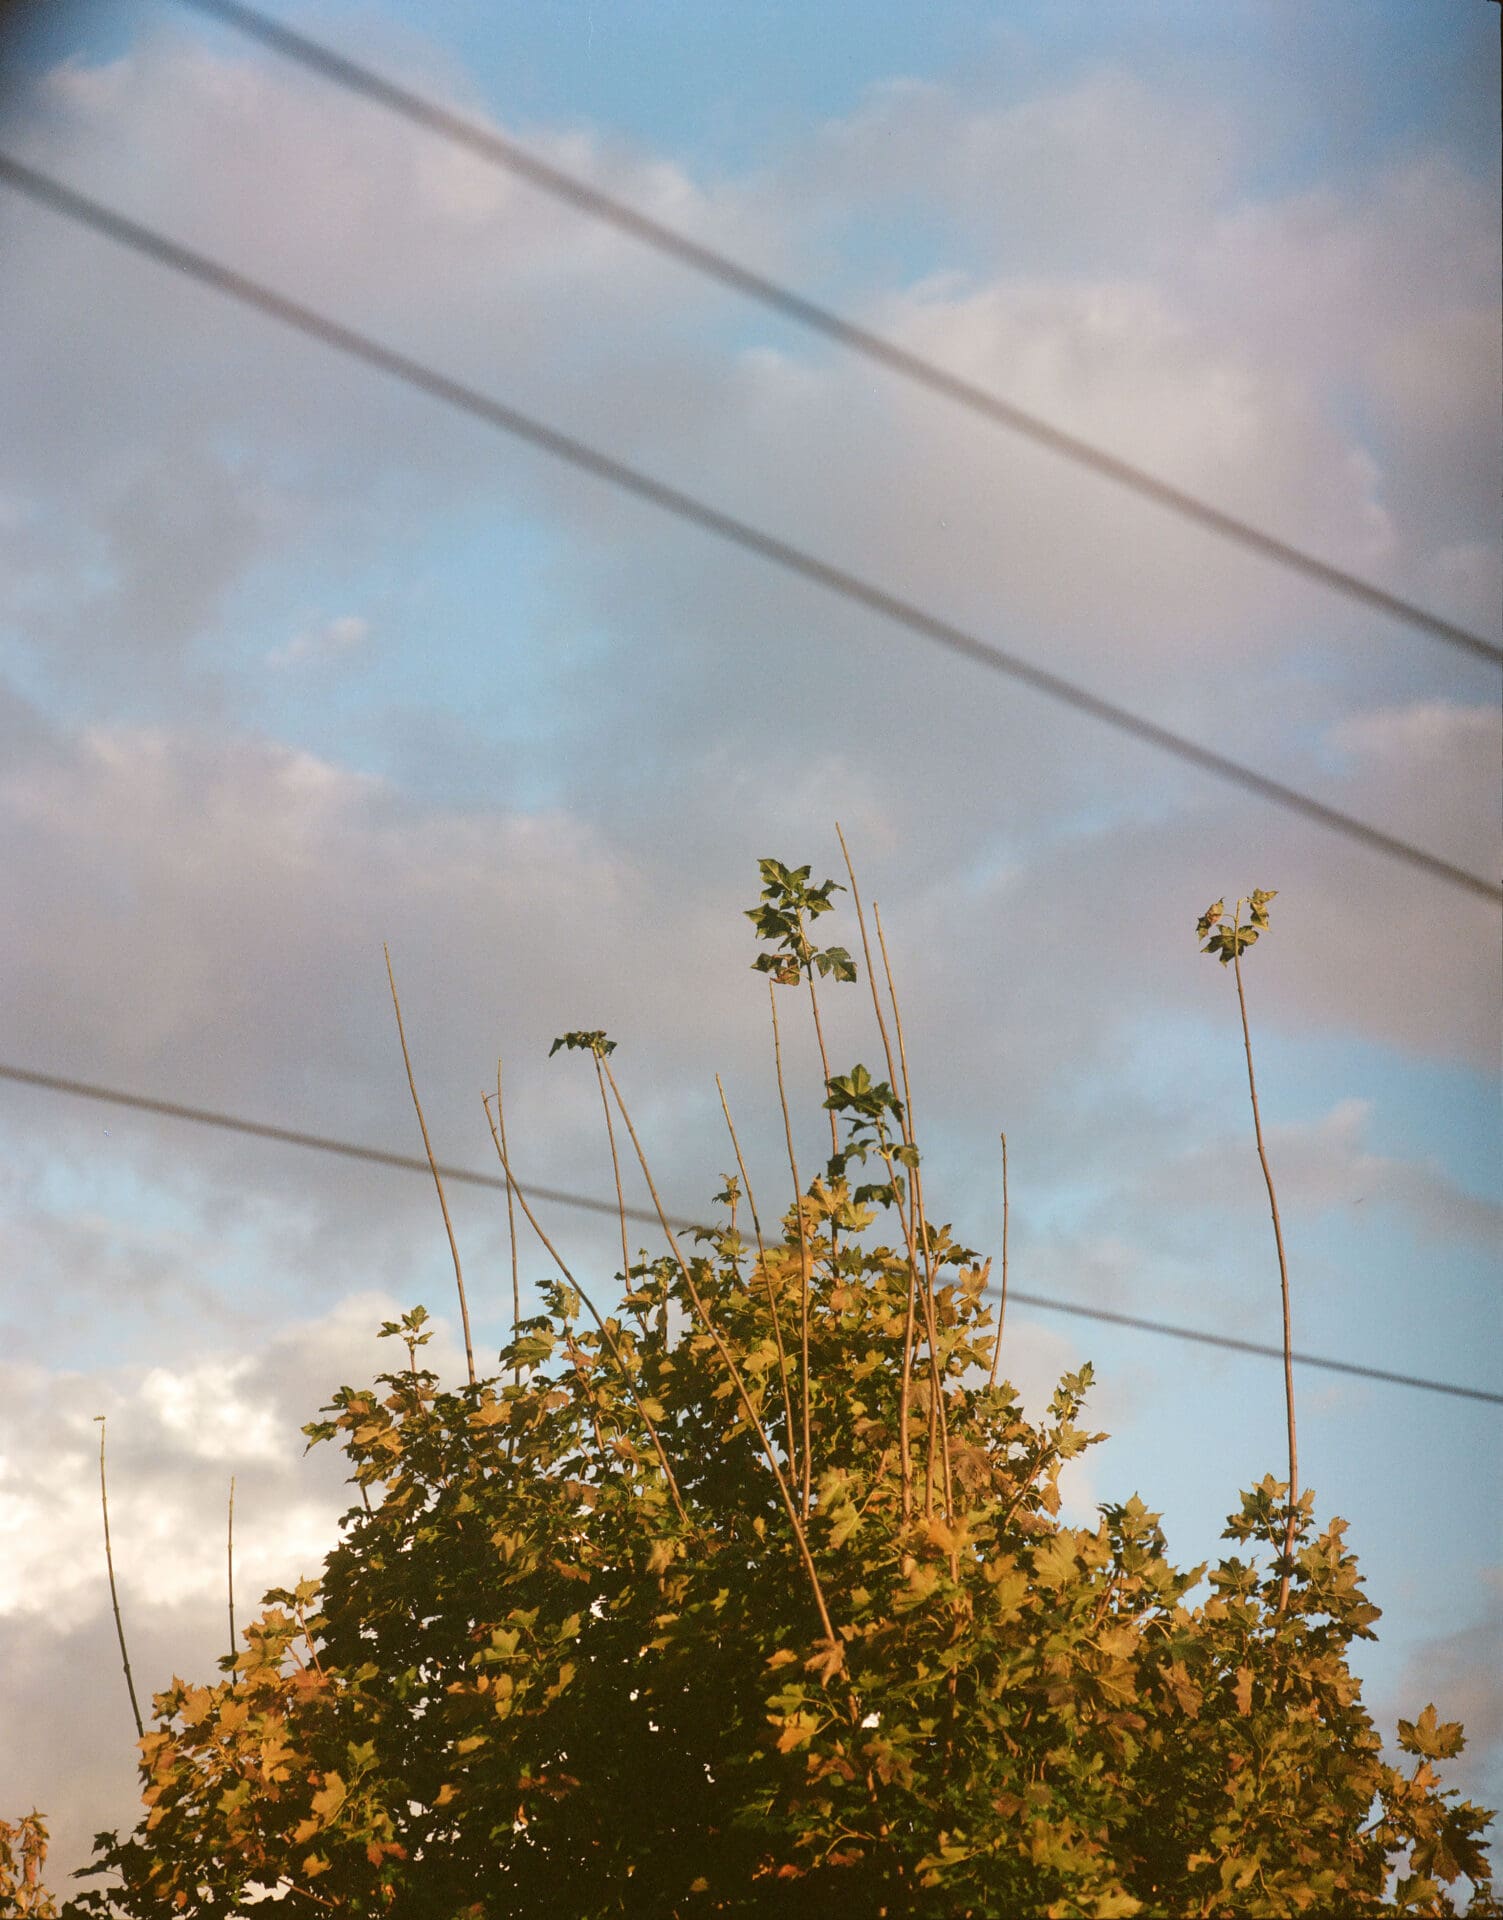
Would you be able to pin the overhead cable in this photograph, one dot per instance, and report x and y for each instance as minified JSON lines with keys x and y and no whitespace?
{"x":494,"y":147}
{"x":322,"y":1143}
{"x":59,"y":198}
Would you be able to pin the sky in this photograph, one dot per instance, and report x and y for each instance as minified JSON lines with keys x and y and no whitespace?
{"x":295,"y":662}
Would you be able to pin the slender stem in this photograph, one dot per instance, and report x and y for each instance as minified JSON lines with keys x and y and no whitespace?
{"x":897,"y":1019}
{"x":610,"y":1134}
{"x":910,"y":1340}
{"x":1002,"y":1309}
{"x":605,"y":1332}
{"x":748,"y":1407}
{"x":824,"y":1067}
{"x":819,"y":1035}
{"x":464,"y":1309}
{"x":511,"y":1231}
{"x":1278,"y":1240}
{"x":109,"y":1561}
{"x":905,"y":1388}
{"x":229,"y":1556}
{"x":930,"y":1326}
{"x":892,"y":1074}
{"x":803,"y":1253}
{"x":772,"y":1301}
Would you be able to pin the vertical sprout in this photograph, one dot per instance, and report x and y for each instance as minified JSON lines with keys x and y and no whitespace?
{"x":772,"y":1303}
{"x":612,"y":1344}
{"x":905,"y":1386}
{"x":229,"y":1559}
{"x":788,"y":903}
{"x":109,"y":1561}
{"x":610,"y":1134}
{"x":939,"y":1423}
{"x":511,"y":1228}
{"x":1002,"y":1307}
{"x":803,"y":1252}
{"x":748,"y":1408}
{"x":1227,"y":940}
{"x":464,"y":1310}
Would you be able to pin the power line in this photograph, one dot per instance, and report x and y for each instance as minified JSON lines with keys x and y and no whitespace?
{"x":322,"y":1143}
{"x":1250,"y":1346}
{"x":788,"y":305}
{"x":87,"y":212}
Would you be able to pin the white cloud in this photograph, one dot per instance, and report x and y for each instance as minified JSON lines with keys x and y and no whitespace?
{"x":1326,"y":1165}
{"x":332,"y":641}
{"x":200,"y":910}
{"x":175,"y":1435}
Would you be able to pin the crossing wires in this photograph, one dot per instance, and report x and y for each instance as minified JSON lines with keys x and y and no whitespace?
{"x":49,"y":192}
{"x":487,"y":144}
{"x":352,"y":1150}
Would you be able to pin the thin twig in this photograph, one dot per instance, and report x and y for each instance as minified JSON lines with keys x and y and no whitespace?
{"x":464,"y":1309}
{"x":748,"y":1407}
{"x":940,"y":1409}
{"x":824,"y":1066}
{"x":1002,"y":1309}
{"x":819,"y":1032}
{"x":905,"y":1388}
{"x":871,"y":977}
{"x":610,"y":1134}
{"x":805,"y":1449}
{"x":109,"y":1561}
{"x":605,"y":1332}
{"x":910,"y":1341}
{"x":511,"y":1231}
{"x":772,"y":1303}
{"x":229,"y":1556}
{"x":897,"y":1020}
{"x":1278,"y":1239}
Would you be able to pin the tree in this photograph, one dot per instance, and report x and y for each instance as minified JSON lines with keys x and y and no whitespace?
{"x":585,"y":1647}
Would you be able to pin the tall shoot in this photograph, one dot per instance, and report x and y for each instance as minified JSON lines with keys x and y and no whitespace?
{"x":109,"y":1561}
{"x":1228,"y":939}
{"x":788,"y":903}
{"x":438,"y":1179}
{"x":1002,"y":1307}
{"x":229,"y":1561}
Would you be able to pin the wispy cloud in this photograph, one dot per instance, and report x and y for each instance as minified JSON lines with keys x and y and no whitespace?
{"x":335,"y":640}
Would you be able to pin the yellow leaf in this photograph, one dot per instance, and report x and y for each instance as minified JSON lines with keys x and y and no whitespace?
{"x":1244,"y":1689}
{"x":330,"y":1797}
{"x":798,"y":1730}
{"x":829,"y":1660}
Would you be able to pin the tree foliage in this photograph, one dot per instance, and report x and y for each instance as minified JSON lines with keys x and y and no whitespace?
{"x":539,"y":1675}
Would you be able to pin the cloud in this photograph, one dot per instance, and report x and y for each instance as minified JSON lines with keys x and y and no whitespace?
{"x":551,"y":806}
{"x":1324,"y":1166}
{"x":1065,"y":178}
{"x":1458,"y":1671}
{"x":332,"y":641}
{"x":175,"y":1436}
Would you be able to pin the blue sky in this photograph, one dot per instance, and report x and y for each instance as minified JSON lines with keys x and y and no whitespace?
{"x":292,"y":663}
